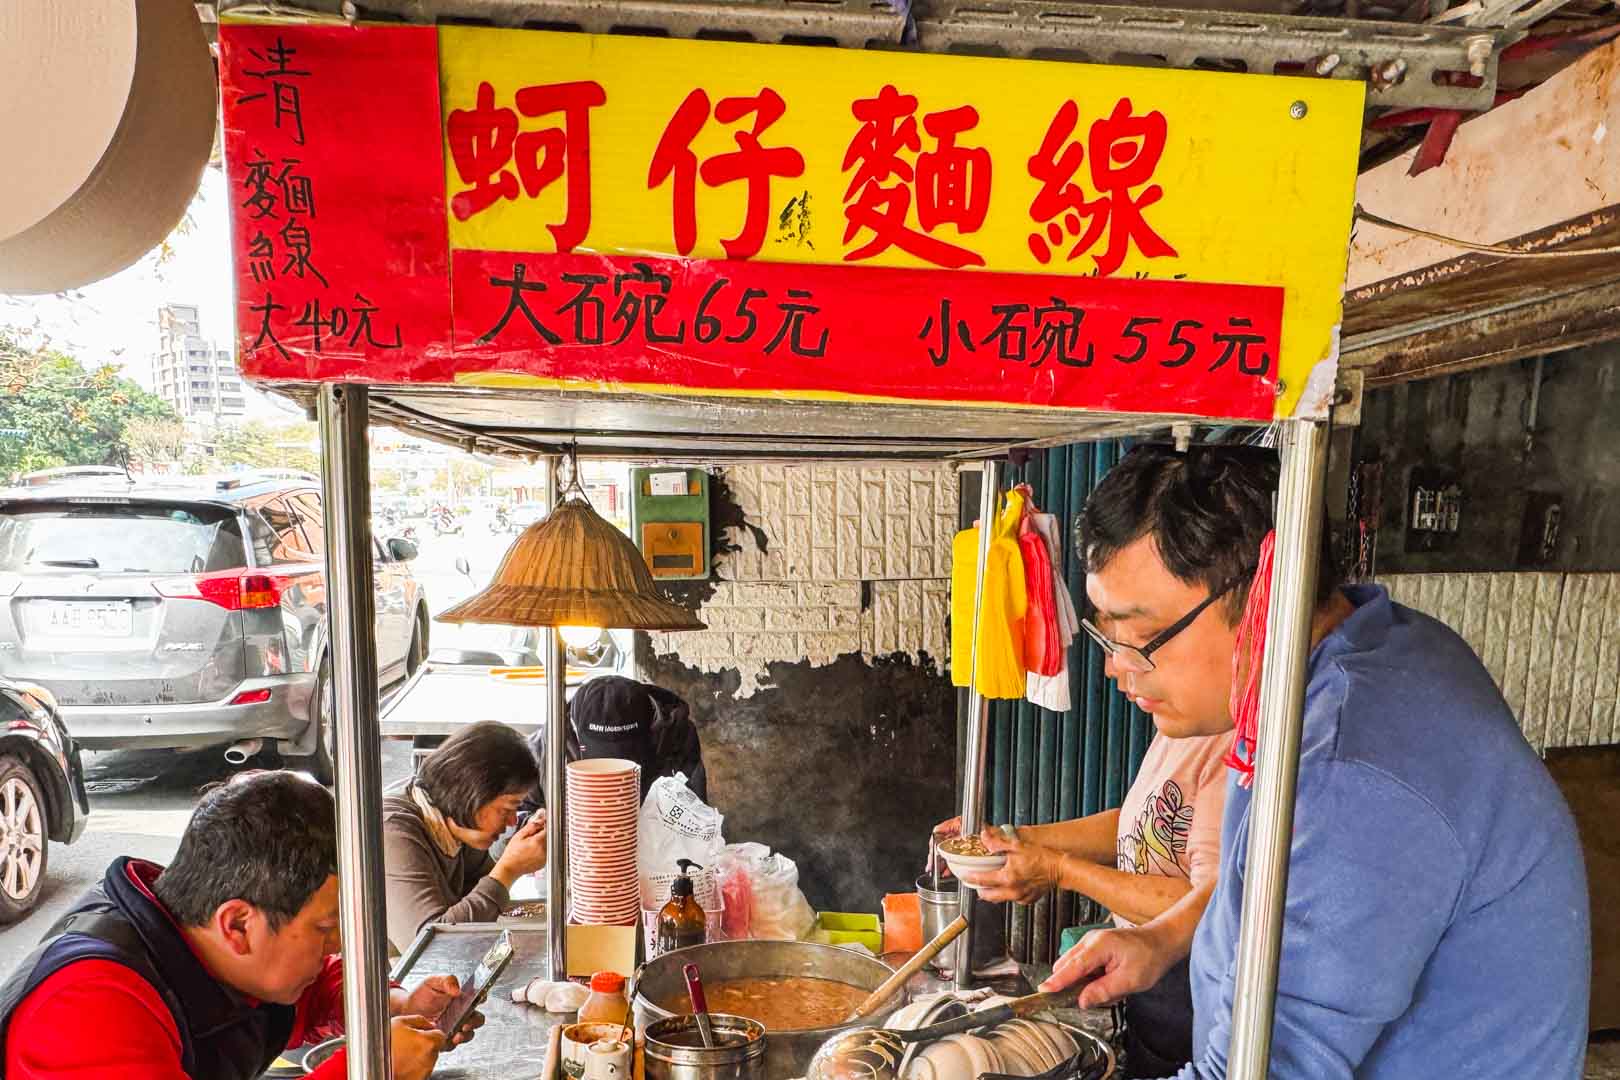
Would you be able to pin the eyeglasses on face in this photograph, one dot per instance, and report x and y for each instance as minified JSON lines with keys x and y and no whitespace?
{"x":1138,"y":659}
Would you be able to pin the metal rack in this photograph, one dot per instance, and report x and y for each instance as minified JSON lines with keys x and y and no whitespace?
{"x":1404,"y":64}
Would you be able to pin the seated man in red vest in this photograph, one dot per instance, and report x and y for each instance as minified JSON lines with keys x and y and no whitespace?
{"x":207,"y":969}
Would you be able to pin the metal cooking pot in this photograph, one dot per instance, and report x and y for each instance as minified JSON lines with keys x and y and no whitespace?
{"x":675,"y":1049}
{"x":787,"y":1053}
{"x":321,"y":1053}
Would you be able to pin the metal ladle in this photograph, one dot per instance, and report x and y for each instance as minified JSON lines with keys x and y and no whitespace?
{"x":700,"y":1006}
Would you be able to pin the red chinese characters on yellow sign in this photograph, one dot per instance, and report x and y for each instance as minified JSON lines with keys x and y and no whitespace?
{"x":486,"y":139}
{"x":951,"y":182}
{"x":752,"y":161}
{"x":1124,"y":152}
{"x":899,"y":190}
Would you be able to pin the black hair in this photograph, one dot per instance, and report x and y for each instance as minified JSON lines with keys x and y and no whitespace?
{"x":269,"y":839}
{"x":1208,"y":509}
{"x":474,"y":767}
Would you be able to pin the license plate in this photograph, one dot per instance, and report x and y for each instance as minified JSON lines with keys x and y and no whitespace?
{"x":87,"y":618}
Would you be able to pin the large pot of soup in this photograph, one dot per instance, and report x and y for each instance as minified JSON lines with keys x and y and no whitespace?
{"x":799,"y":991}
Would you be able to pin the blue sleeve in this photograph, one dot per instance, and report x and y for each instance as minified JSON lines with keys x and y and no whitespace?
{"x":1374,"y":878}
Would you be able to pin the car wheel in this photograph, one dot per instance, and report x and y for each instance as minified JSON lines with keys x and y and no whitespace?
{"x":419,"y":646}
{"x":323,"y":762}
{"x":24,"y":843}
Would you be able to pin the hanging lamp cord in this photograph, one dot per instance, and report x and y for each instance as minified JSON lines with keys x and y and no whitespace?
{"x":573,"y":486}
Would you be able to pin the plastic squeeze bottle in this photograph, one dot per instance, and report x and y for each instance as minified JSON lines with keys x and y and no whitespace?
{"x":607,"y":1003}
{"x":681,"y":922}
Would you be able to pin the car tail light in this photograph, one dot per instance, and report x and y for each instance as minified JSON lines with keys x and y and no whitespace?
{"x":251,"y":697}
{"x":260,"y":591}
{"x":231,"y":591}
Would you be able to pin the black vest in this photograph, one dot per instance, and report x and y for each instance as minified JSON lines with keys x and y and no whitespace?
{"x":222,"y":1036}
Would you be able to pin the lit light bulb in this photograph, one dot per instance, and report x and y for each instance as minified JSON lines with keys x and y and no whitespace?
{"x":578,"y":637}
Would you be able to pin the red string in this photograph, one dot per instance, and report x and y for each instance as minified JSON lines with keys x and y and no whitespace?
{"x":1248,"y":657}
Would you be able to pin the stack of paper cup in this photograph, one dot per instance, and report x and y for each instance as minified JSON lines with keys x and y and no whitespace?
{"x":604,"y":801}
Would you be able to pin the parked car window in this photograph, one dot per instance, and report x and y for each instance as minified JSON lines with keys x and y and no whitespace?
{"x":152,"y":538}
{"x":306,"y":505}
{"x":277,"y":539}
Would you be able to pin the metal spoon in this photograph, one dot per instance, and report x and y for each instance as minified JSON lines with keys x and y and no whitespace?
{"x":630,"y":1013}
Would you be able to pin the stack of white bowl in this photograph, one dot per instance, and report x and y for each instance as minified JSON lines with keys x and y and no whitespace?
{"x":604,"y":802}
{"x":1013,"y":1048}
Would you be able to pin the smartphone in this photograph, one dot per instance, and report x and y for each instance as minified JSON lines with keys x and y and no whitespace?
{"x":475,"y":987}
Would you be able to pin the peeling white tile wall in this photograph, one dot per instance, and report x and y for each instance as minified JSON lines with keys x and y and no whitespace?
{"x":828,"y":529}
{"x":1551,"y":642}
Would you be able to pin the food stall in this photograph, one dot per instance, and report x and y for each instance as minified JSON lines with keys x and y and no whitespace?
{"x":537,"y":243}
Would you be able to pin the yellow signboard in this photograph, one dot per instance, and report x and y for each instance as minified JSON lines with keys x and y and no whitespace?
{"x":619,"y":146}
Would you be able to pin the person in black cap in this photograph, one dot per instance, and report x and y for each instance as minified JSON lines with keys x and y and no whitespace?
{"x":615,"y":717}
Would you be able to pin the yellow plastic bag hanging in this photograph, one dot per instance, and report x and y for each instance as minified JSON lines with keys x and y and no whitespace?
{"x":1001,"y":624}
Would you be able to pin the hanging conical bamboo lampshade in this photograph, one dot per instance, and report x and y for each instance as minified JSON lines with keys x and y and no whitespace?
{"x":573,"y":569}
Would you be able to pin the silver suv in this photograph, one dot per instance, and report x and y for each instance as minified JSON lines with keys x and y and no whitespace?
{"x":188,"y":613}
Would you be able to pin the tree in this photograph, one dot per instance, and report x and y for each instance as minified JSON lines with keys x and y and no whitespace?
{"x":153,"y":442}
{"x":258,"y":445}
{"x":54,"y":412}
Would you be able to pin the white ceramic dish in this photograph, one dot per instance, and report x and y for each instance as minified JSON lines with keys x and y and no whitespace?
{"x":972,"y":864}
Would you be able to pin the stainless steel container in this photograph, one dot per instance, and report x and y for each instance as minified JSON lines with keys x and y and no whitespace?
{"x":675,"y":1050}
{"x":939,"y":907}
{"x":787,"y":1053}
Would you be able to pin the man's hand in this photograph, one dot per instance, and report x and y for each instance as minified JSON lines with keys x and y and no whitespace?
{"x":416,"y":1045}
{"x":432,"y":997}
{"x":947,"y":829}
{"x":1121,"y":961}
{"x":1030,"y":871}
{"x":526,"y":851}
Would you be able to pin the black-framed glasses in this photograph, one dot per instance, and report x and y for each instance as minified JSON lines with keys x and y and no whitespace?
{"x":1138,"y":659}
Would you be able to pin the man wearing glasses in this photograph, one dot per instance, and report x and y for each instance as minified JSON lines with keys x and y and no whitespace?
{"x":1156,"y":859}
{"x":1437,"y":918}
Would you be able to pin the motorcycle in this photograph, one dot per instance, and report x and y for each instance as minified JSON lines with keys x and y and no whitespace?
{"x":445,"y":522}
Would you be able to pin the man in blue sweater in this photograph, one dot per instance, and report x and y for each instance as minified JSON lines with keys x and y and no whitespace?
{"x":1437,"y":919}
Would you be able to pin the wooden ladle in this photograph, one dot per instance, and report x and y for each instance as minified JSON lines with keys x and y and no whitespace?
{"x":893,"y":983}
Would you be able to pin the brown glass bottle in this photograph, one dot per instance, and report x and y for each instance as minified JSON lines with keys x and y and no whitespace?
{"x":681,"y":922}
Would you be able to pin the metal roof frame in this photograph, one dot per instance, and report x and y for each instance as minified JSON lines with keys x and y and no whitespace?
{"x":1404,"y":64}
{"x":640,"y":426}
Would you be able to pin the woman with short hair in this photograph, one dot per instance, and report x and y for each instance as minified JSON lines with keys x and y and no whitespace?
{"x":437,"y":832}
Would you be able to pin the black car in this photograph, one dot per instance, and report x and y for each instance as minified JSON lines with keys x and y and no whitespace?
{"x":42,"y":796}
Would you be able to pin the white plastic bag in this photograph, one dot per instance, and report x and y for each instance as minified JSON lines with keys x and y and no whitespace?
{"x":778,"y":909}
{"x":676,"y":824}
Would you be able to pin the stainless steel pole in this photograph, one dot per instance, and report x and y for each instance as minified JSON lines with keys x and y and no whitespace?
{"x":346,"y":487}
{"x":978,"y":732}
{"x":556,"y":781}
{"x":1303,"y":446}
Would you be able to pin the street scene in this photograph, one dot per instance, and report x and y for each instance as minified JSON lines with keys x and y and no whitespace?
{"x":140,"y":800}
{"x":809,"y":540}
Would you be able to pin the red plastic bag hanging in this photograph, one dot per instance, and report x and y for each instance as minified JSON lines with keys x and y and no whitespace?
{"x":1043,"y":642}
{"x":1042,"y":654}
{"x":1248,"y":658}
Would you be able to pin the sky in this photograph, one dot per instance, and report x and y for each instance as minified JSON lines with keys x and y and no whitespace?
{"x":115,"y":320}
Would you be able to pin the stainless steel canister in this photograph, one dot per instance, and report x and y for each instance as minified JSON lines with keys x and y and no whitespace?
{"x":675,"y":1050}
{"x":939,"y":907}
